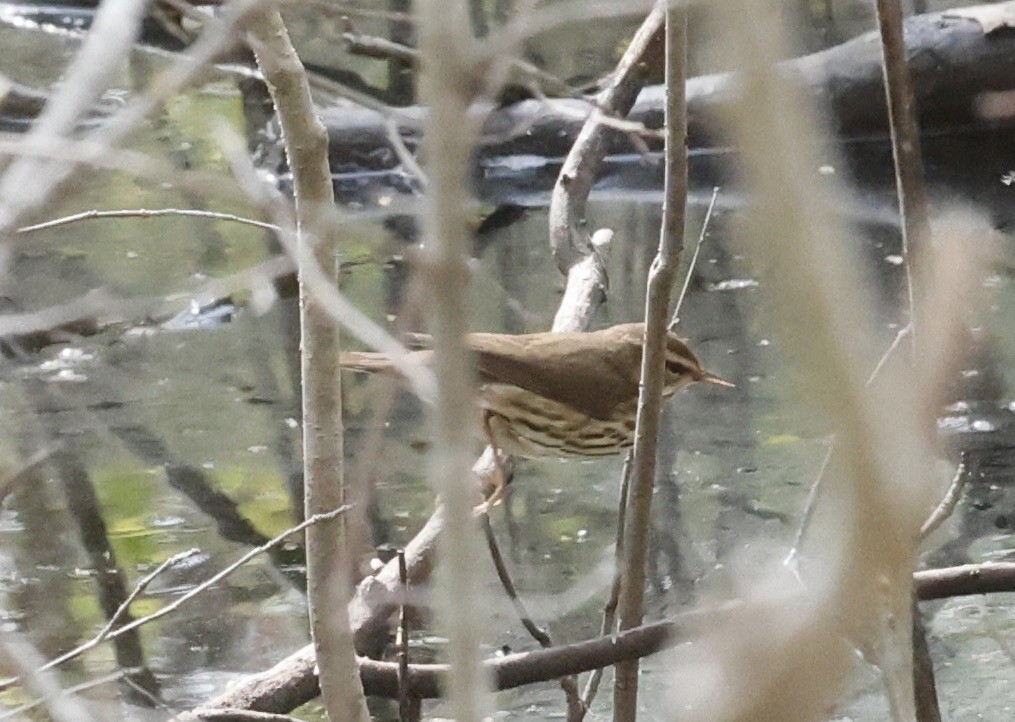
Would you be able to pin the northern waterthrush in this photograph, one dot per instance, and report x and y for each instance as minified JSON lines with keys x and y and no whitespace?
{"x":561,"y":395}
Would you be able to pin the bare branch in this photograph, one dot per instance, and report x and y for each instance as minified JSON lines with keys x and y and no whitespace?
{"x":328,"y":558}
{"x":146,"y":213}
{"x":24,"y":474}
{"x":575,"y":707}
{"x":951,"y":499}
{"x":638,"y":519}
{"x":694,"y":259}
{"x":114,"y":28}
{"x":577,"y":175}
{"x":180,"y":601}
{"x":332,"y":301}
{"x":905,"y":133}
{"x":449,"y":84}
{"x":29,"y":185}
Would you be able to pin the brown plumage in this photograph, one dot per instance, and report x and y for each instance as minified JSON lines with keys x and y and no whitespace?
{"x":552,"y":395}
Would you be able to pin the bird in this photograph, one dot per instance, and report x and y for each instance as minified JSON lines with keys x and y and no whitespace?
{"x":555,"y":395}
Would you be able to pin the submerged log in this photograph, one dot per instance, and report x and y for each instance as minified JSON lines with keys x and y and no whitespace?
{"x":960,"y":60}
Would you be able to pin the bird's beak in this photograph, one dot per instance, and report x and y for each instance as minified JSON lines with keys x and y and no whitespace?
{"x":710,"y":378}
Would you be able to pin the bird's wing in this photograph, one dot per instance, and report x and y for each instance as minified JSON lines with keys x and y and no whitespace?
{"x":579,"y":375}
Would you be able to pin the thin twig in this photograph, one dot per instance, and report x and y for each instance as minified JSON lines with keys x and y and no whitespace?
{"x":108,"y":43}
{"x":905,"y":133}
{"x":140,"y":588}
{"x":107,"y":310}
{"x":814,"y":495}
{"x":903,"y":332}
{"x":28,"y":185}
{"x":949,"y":502}
{"x":372,"y":46}
{"x":342,"y":90}
{"x":405,"y":155}
{"x":575,"y":708}
{"x":18,"y":653}
{"x":610,"y":608}
{"x":636,"y":130}
{"x":131,"y":162}
{"x":694,"y":260}
{"x":408,"y":708}
{"x":810,"y":506}
{"x":152,"y":697}
{"x":147,"y":213}
{"x":333,"y":301}
{"x":18,"y":712}
{"x":177,"y":603}
{"x":630,"y":610}
{"x":509,"y":587}
{"x":105,"y":632}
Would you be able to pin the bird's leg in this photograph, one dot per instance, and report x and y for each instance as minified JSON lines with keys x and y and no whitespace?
{"x":499,"y":476}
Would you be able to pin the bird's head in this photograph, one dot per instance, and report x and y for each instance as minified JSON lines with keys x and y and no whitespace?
{"x":683,"y":367}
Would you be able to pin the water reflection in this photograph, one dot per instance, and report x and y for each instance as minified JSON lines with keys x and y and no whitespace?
{"x":186,"y":438}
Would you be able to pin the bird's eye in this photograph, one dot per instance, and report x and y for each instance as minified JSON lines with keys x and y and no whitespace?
{"x":675,"y":366}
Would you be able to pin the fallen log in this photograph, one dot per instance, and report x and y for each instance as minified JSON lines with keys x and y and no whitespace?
{"x":960,"y":60}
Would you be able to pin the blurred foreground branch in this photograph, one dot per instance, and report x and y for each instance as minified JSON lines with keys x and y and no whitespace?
{"x":453,"y":77}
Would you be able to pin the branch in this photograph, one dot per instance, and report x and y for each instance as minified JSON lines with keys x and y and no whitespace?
{"x":306,"y":145}
{"x":657,"y":303}
{"x":110,"y":40}
{"x":293,"y":681}
{"x":29,"y":183}
{"x":575,"y":708}
{"x":586,"y":285}
{"x":905,"y":132}
{"x":147,"y":213}
{"x":453,"y":74}
{"x":577,"y":175}
{"x":987,"y":578}
{"x":180,"y":601}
